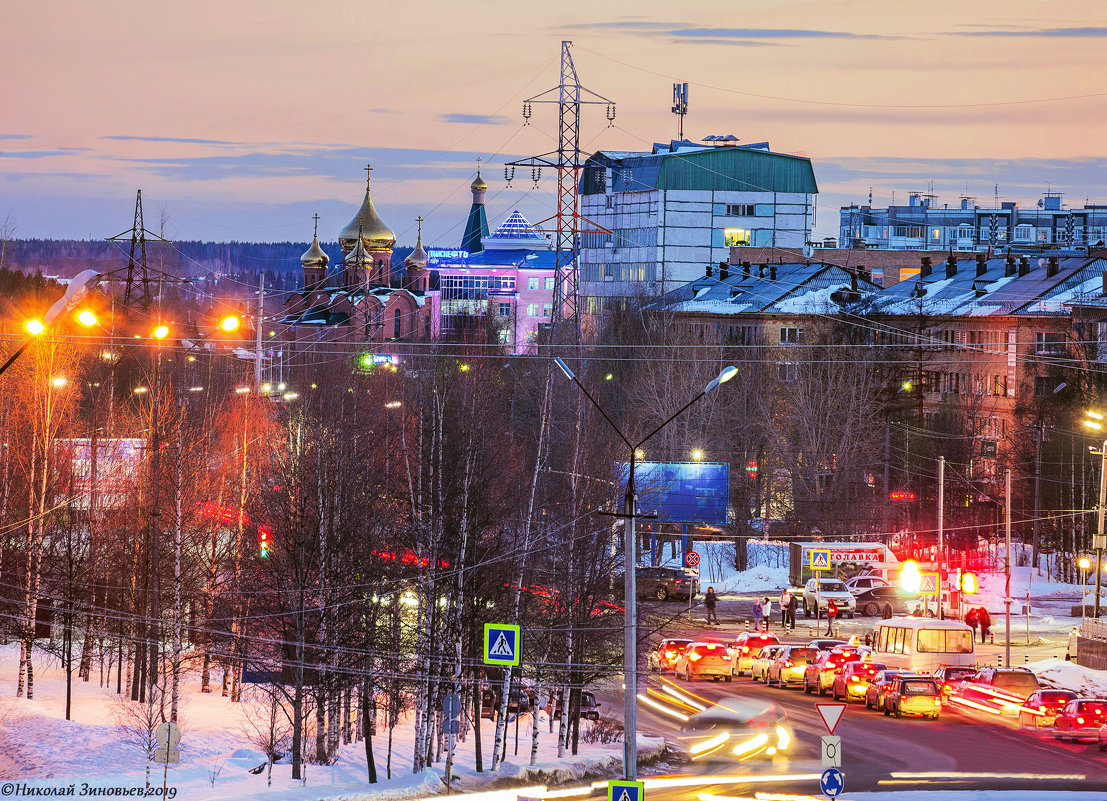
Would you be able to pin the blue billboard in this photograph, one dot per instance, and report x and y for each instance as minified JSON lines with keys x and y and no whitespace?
{"x":679,"y":492}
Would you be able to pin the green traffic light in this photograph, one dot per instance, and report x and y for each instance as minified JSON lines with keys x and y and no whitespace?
{"x":367,"y":360}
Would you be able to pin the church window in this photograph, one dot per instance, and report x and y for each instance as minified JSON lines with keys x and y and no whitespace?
{"x":398,"y":323}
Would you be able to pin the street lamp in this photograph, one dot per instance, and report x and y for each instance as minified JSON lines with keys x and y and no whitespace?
{"x":630,"y":547}
{"x":78,"y":287}
{"x":1094,"y":421}
{"x":1083,"y":563}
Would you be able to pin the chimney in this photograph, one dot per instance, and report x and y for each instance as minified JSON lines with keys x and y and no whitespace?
{"x":760,"y":270}
{"x":772,"y":272}
{"x":853,"y":281}
{"x":925,"y":271}
{"x":981,"y":264}
{"x":724,"y":271}
{"x":745,"y":269}
{"x":951,"y":266}
{"x":1051,"y":267}
{"x":1024,"y":266}
{"x":1009,"y":267}
{"x":708,"y":273}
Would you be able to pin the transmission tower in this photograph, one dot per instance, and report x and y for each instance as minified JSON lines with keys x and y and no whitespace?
{"x":569,"y":95}
{"x":138,"y":291}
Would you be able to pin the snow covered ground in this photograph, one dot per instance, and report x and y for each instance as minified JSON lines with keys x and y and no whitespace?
{"x":38,"y":746}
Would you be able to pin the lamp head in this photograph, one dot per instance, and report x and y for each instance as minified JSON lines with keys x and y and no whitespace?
{"x":564,"y":368}
{"x":727,"y":374}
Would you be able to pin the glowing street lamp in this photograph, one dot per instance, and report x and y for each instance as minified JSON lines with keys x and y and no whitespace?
{"x":1094,"y":420}
{"x":161,"y":332}
{"x":229,"y":323}
{"x":86,"y":318}
{"x":34,"y":327}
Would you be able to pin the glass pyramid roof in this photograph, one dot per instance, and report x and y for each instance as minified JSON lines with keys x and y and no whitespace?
{"x":517,"y":226}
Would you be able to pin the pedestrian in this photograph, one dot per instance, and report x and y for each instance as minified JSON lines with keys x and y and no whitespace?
{"x":756,"y":615}
{"x":785,"y":602}
{"x":767,"y":611}
{"x":793,"y":606}
{"x":887,"y":613}
{"x":709,"y":605}
{"x":972,"y":620}
{"x":985,"y":623}
{"x":831,"y":613}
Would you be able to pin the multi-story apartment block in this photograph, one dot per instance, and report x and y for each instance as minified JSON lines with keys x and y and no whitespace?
{"x":668,"y":213}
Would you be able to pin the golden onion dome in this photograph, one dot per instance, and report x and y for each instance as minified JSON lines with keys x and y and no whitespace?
{"x":418,"y":257}
{"x":478,"y":184}
{"x":314,"y":256}
{"x":374,"y":233}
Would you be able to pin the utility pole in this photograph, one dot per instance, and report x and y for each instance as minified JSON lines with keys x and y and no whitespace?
{"x":1039,"y":435}
{"x":257,"y":332}
{"x":1099,"y":539}
{"x":941,"y":532}
{"x":1007,"y":570}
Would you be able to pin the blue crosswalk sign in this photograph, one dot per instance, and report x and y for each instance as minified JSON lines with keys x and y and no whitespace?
{"x":501,"y":644}
{"x":820,"y":559}
{"x":832,"y":782}
{"x":626,"y":791}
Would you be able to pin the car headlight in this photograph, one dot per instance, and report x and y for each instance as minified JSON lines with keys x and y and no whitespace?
{"x":783,"y":738}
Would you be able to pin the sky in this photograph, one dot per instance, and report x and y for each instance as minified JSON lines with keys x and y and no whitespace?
{"x":240,"y":119}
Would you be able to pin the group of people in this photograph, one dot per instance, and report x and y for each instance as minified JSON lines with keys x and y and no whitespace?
{"x":978,"y":616}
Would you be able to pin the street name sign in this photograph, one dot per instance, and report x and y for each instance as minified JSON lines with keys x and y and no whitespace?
{"x":622,"y":790}
{"x":502,"y":643}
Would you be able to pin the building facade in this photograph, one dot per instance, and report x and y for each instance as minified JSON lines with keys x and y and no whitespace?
{"x":660,"y":217}
{"x":922,"y":225}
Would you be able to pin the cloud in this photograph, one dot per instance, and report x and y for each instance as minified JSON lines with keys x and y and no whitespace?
{"x":41,"y":154}
{"x":1078,"y":33}
{"x":173,"y":139}
{"x":16,"y":136}
{"x":747,"y":37}
{"x":475,"y":119}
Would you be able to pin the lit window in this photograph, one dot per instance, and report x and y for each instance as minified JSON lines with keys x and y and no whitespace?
{"x":735,"y":237}
{"x":936,"y":233}
{"x":532,"y":282}
{"x":549,"y":282}
{"x":547,"y":309}
{"x":532,"y":309}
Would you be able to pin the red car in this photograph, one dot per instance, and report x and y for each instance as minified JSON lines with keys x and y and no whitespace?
{"x":1080,"y":718}
{"x":852,"y":681}
{"x":818,"y":677}
{"x":1042,"y":708}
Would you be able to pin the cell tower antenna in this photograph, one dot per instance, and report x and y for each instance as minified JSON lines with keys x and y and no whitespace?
{"x":680,"y":106}
{"x":569,"y":96}
{"x":138,"y":286}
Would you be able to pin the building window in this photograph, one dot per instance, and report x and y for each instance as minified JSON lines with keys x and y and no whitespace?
{"x":532,"y":282}
{"x":505,"y":309}
{"x":547,"y":309}
{"x":532,"y":310}
{"x":791,"y":335}
{"x":549,"y":282}
{"x":397,"y":325}
{"x":786,"y":372}
{"x":1049,"y":342}
{"x":741,"y":210}
{"x":736,"y":237}
{"x":911,"y":231}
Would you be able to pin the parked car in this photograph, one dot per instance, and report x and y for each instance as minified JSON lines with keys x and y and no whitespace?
{"x":913,"y":695}
{"x":949,"y":676}
{"x":881,"y":682}
{"x":859,"y":584}
{"x":664,"y":583}
{"x":820,"y":591}
{"x":1081,"y":718}
{"x":664,"y":656}
{"x":759,"y":666}
{"x":589,"y":706}
{"x":818,"y":676}
{"x":789,"y":665}
{"x":851,"y":683}
{"x":746,"y":646}
{"x":1042,"y":708}
{"x":872,"y":601}
{"x":704,"y":660}
{"x":737,"y":729}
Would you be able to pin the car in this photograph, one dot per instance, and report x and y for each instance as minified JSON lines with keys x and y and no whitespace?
{"x":1042,"y":708}
{"x":1000,"y":691}
{"x":853,"y":680}
{"x":664,"y":583}
{"x":859,"y":584}
{"x":789,"y":665}
{"x":589,"y":706}
{"x":664,"y":656}
{"x":818,"y":676}
{"x":871,"y":602}
{"x":949,"y":677}
{"x":704,"y":660}
{"x":1081,"y":718}
{"x":820,"y":591}
{"x":825,"y":645}
{"x":1015,"y":681}
{"x":913,"y":695}
{"x":881,"y":681}
{"x":746,"y":646}
{"x":759,"y":666}
{"x":737,"y":729}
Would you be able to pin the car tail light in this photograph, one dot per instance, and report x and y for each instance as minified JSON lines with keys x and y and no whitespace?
{"x":788,"y":663}
{"x":669,"y":654}
{"x":1041,"y":708}
{"x":937,"y":702}
{"x":1080,"y":720}
{"x":745,"y":649}
{"x":694,"y":656}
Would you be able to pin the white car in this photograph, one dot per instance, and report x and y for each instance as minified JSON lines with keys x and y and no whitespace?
{"x":859,"y":584}
{"x":828,"y":589}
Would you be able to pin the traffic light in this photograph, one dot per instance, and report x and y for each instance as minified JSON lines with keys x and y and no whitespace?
{"x":263,"y":541}
{"x":969,"y":583}
{"x":910,"y":579}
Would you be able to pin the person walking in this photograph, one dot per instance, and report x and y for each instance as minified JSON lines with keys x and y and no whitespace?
{"x":785,"y":601}
{"x":793,"y":607}
{"x":709,"y":605}
{"x":985,"y":623}
{"x":972,"y":620}
{"x":831,"y":614}
{"x":887,"y":613}
{"x":756,"y":615}
{"x":767,"y":611}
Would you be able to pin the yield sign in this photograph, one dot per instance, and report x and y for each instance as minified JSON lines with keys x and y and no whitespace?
{"x":831,"y":715}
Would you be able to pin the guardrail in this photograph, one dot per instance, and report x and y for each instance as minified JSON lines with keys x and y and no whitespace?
{"x":1094,"y":629}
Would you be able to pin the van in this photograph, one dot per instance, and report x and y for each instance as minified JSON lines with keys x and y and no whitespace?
{"x":922,"y":645}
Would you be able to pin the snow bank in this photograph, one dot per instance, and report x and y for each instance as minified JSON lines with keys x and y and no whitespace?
{"x":1061,"y":675}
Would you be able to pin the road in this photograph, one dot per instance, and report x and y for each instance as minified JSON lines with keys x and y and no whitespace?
{"x":875,"y":748}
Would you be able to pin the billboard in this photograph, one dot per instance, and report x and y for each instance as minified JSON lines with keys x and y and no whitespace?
{"x":117,"y":469}
{"x":680,"y":492}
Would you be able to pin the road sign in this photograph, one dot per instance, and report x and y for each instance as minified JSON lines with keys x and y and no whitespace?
{"x":831,"y":715}
{"x":691,"y":559}
{"x":832,"y":752}
{"x":1099,"y":543}
{"x":502,"y":643}
{"x":820,"y":559}
{"x":929,"y":583}
{"x":622,"y":790}
{"x":451,"y":705}
{"x":170,"y":756}
{"x":832,"y":782}
{"x":451,"y":726}
{"x":168,"y":735}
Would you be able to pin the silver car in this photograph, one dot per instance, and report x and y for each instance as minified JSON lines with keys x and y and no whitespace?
{"x":821,"y":591}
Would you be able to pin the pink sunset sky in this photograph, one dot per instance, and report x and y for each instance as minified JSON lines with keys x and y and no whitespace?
{"x":239,"y":120}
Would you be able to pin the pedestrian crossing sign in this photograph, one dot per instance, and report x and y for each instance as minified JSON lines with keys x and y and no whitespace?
{"x":502,"y":643}
{"x":622,"y":790}
{"x":820,"y":560}
{"x":928,"y":583}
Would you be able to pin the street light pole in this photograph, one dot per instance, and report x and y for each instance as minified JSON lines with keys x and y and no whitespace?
{"x":1099,"y":543}
{"x":630,"y":587}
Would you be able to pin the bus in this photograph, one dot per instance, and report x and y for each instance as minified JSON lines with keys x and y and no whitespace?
{"x":923,"y":644}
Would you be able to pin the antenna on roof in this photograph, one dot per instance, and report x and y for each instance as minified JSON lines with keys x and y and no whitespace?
{"x":680,"y":105}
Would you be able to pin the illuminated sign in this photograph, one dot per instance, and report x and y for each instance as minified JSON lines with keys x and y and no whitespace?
{"x":435,"y":254}
{"x":680,"y":492}
{"x":901,"y":496}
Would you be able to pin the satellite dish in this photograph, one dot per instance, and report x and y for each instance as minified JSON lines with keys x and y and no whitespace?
{"x":808,"y":251}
